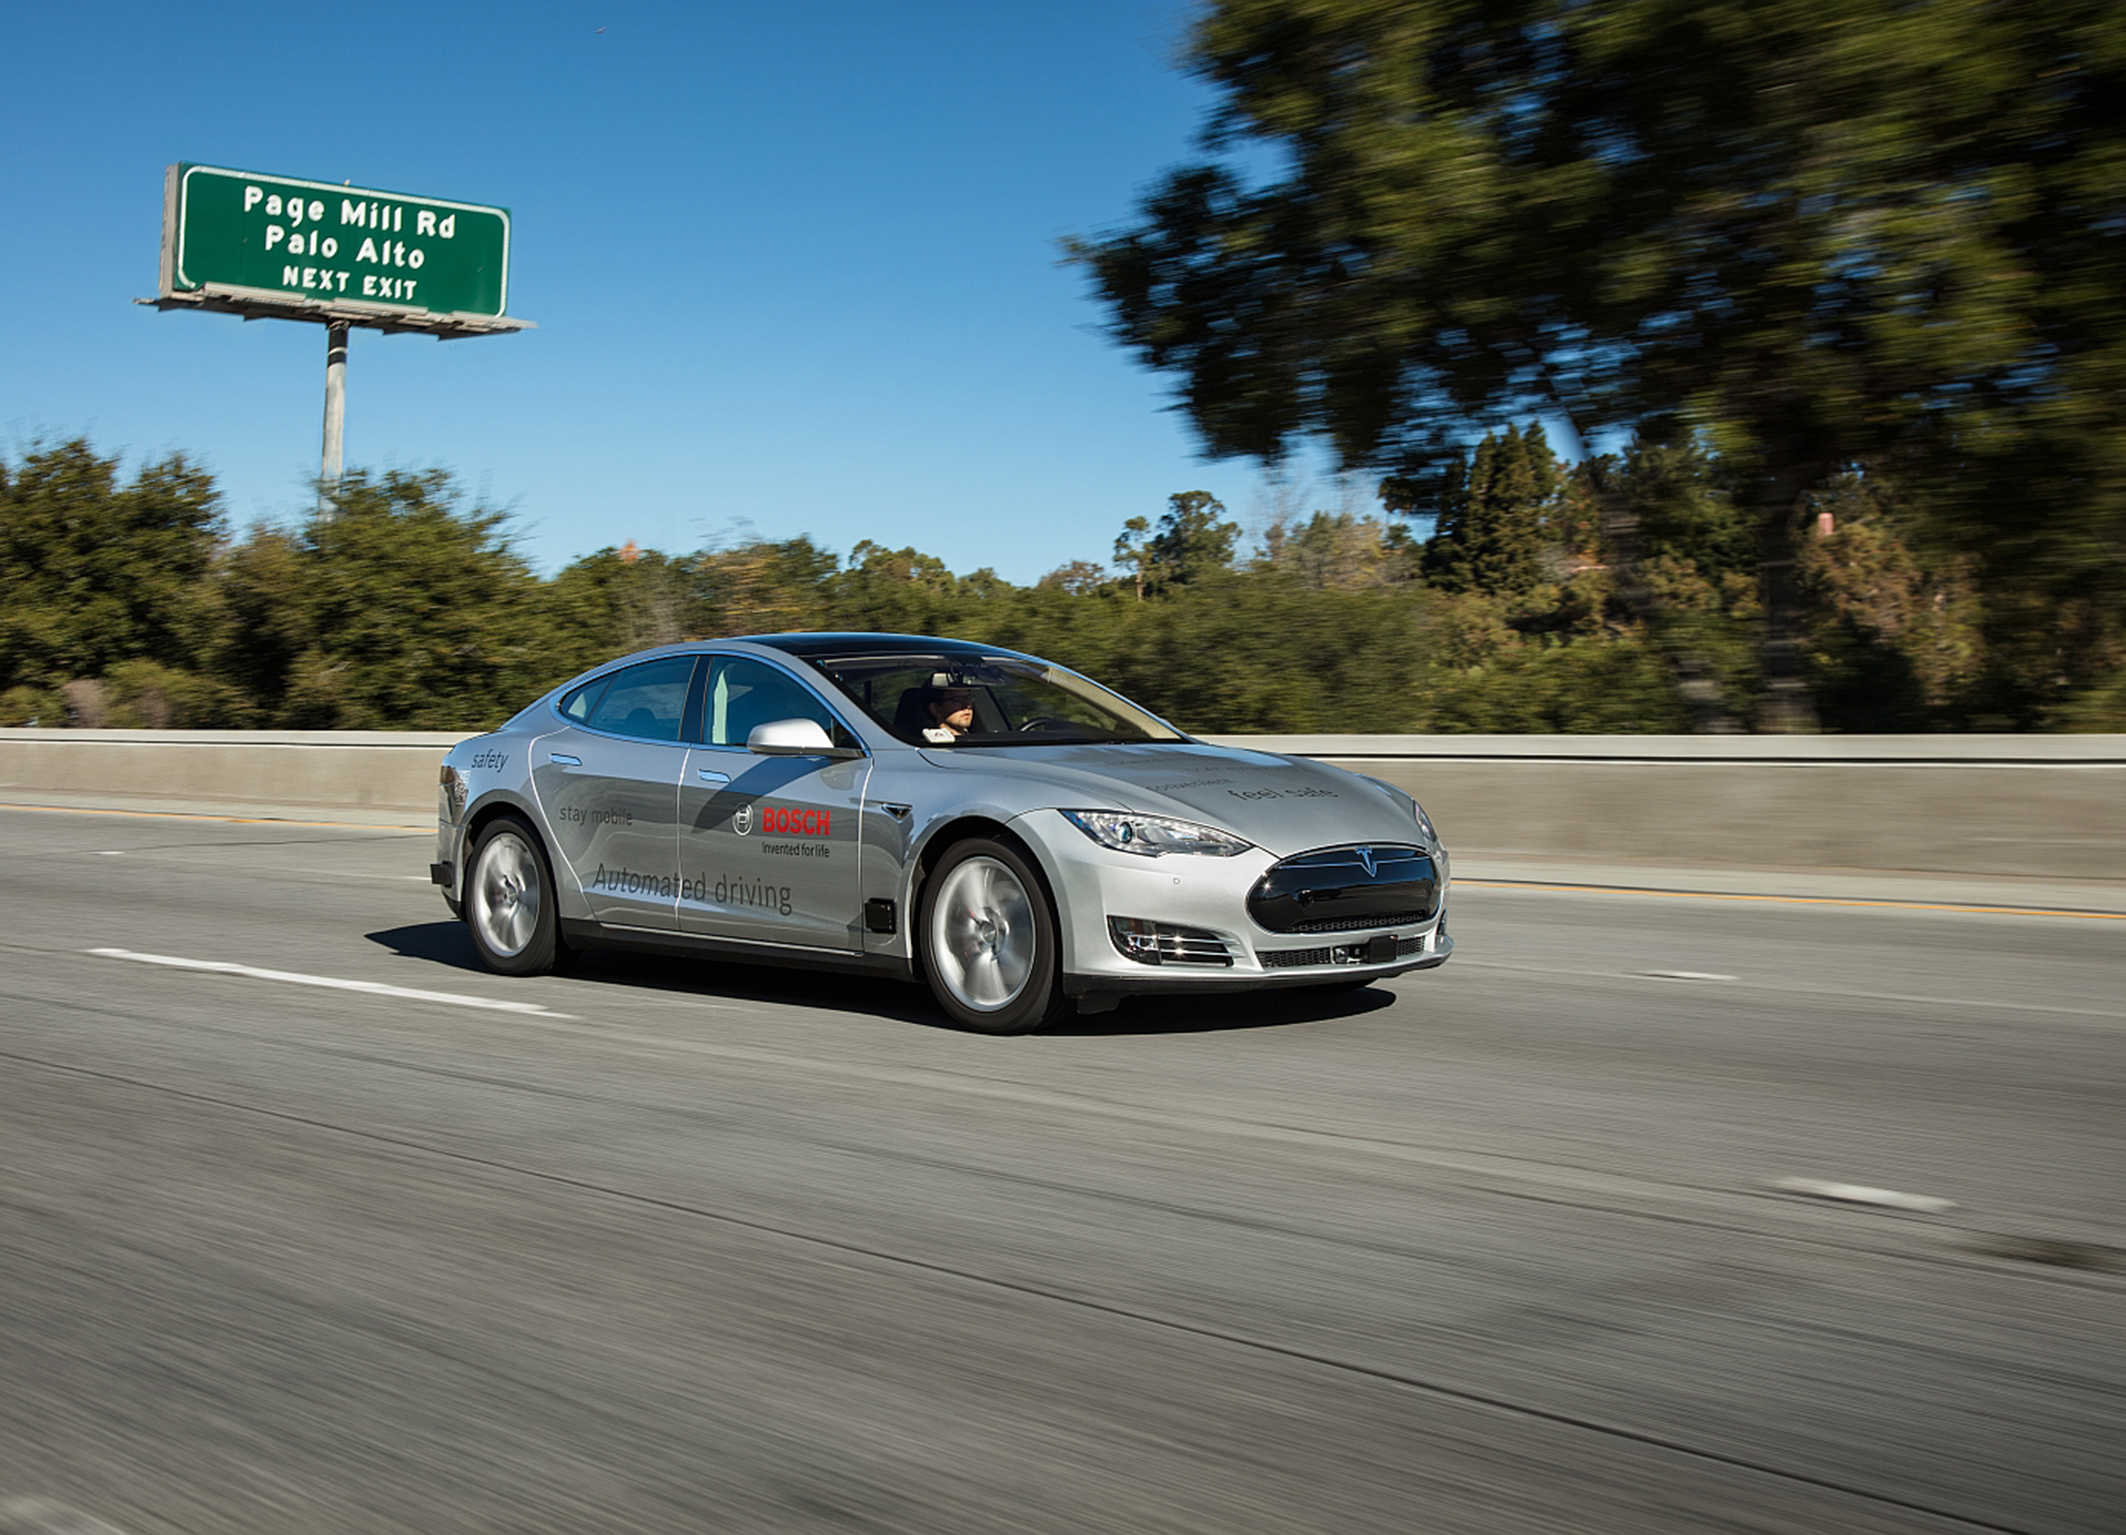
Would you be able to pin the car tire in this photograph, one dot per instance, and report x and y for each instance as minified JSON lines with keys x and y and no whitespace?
{"x":990,"y":948}
{"x":509,"y":901}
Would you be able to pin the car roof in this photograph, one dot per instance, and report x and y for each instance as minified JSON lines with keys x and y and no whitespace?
{"x":861,"y":644}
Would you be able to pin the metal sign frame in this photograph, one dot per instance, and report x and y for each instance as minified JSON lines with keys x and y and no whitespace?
{"x":178,"y":291}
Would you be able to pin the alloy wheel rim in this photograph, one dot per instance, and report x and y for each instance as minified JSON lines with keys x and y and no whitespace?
{"x":982,"y":935}
{"x":505,"y":895}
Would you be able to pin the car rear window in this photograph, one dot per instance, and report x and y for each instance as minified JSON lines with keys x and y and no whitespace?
{"x":647,"y":701}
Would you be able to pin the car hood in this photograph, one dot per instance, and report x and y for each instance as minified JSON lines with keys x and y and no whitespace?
{"x":1284,"y":805}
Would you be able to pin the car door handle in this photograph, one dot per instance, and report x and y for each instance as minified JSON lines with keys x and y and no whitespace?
{"x":564,"y":759}
{"x":710,"y":775}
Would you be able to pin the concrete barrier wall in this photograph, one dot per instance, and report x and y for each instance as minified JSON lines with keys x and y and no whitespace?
{"x":2038,"y":806}
{"x":319,"y":769}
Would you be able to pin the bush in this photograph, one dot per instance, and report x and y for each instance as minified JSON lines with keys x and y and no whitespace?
{"x":146,"y":695}
{"x":32,"y":706}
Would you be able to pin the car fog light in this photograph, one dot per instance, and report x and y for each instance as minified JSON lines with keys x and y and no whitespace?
{"x":1165,"y":943}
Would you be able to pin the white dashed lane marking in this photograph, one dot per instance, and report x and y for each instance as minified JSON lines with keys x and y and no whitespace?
{"x":1861,"y":1194}
{"x":1687,"y":975}
{"x":331,"y":982}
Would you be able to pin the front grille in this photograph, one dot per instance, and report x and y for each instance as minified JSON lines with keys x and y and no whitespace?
{"x":1292,"y":959}
{"x":1345,"y":889}
{"x":1353,"y":924}
{"x":1164,"y":943}
{"x":1338,"y":954}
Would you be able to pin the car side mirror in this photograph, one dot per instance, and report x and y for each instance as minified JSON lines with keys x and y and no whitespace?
{"x":794,"y":738}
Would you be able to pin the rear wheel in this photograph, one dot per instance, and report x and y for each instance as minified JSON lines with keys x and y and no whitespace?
{"x":990,"y":948}
{"x":509,"y":901}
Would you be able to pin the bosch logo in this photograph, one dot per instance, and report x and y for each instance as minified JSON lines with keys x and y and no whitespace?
{"x":795,"y":821}
{"x":742,"y":820}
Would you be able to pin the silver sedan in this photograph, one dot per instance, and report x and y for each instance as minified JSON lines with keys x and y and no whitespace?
{"x":1017,"y":836}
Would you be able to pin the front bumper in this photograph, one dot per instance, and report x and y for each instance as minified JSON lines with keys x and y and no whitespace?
{"x":1206,"y":897}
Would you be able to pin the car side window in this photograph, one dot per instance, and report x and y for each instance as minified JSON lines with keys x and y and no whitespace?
{"x":647,"y":701}
{"x":744,"y":693}
{"x":577,"y":705}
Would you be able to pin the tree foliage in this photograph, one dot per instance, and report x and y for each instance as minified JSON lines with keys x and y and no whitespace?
{"x":408,"y":608}
{"x":1496,"y":516}
{"x":1189,"y":543}
{"x":1826,"y":236}
{"x":96,"y":573}
{"x":400,"y":611}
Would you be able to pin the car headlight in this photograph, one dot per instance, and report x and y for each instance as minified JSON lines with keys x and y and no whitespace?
{"x":1154,"y":836}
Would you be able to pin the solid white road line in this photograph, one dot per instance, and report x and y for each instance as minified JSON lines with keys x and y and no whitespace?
{"x":41,"y":1516}
{"x":335,"y":983}
{"x":1860,"y":1194}
{"x":1687,"y":975}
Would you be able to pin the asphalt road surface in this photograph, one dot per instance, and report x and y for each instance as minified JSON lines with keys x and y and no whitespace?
{"x":662,"y":1246}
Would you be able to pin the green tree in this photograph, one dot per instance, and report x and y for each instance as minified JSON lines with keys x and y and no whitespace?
{"x":894,"y":591}
{"x":1335,"y":551}
{"x":1079,"y":578}
{"x":624,"y":599}
{"x":1493,"y":522}
{"x":401,"y":611}
{"x":1192,"y":541}
{"x":1189,"y":543}
{"x":1682,"y":561}
{"x":1824,"y":234}
{"x":1894,"y":639}
{"x":97,"y":573}
{"x":1133,"y":552}
{"x":768,"y":587}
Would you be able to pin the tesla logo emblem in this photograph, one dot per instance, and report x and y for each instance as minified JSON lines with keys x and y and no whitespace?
{"x":1365,"y":859}
{"x":742,"y":820}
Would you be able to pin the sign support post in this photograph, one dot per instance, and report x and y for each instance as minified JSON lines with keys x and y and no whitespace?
{"x":335,"y":409}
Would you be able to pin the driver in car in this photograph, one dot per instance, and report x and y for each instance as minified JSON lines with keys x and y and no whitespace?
{"x":951,"y":714}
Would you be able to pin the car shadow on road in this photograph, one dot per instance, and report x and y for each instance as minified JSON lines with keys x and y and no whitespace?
{"x":447,"y":943}
{"x":440,"y":943}
{"x":1227,"y":1012}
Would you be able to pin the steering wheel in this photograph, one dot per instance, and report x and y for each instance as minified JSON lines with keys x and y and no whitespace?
{"x":1049,"y":722}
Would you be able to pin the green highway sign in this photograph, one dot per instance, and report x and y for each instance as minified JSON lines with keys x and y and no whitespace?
{"x":311,"y":249}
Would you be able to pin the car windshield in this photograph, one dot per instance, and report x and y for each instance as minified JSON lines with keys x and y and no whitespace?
{"x":975,"y":700}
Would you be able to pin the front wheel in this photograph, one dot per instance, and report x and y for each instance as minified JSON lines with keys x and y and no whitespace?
{"x":509,"y":901}
{"x":990,"y":948}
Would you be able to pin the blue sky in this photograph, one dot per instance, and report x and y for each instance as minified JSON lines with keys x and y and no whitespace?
{"x":794,"y":267}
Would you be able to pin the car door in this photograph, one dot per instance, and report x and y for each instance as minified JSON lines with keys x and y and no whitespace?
{"x":769,"y":845}
{"x":608,"y":782}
